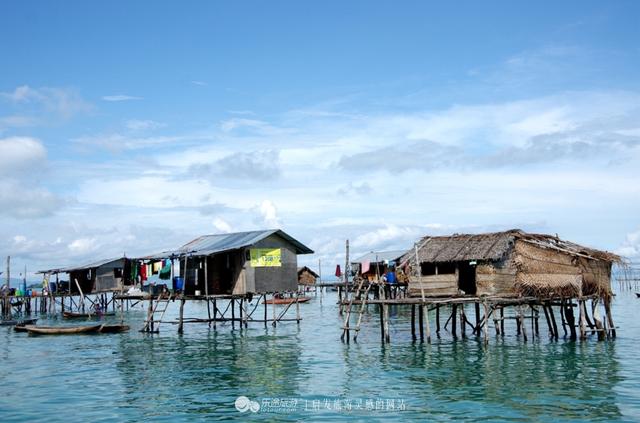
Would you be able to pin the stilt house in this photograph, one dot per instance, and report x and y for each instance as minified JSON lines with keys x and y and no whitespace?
{"x":240,"y":263}
{"x":507,"y":264}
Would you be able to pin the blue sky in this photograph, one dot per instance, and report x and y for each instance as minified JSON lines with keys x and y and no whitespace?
{"x":136,"y":127}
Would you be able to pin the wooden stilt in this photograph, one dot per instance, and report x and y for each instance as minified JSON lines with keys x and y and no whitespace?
{"x":387,"y":335}
{"x":583,"y":319}
{"x":546,"y":316}
{"x":553,"y":321}
{"x":233,"y":313}
{"x":571,"y":321}
{"x":496,"y":320}
{"x":607,"y":309}
{"x":522,"y":325}
{"x":181,"y":320}
{"x":413,"y":322}
{"x":463,"y":319}
{"x":486,"y":322}
{"x":382,"y":338}
{"x":563,"y":318}
{"x":273,"y":308}
{"x":454,"y":311}
{"x":501,"y":321}
{"x":266,"y":311}
{"x":476,"y":330}
{"x":437,"y":318}
{"x":150,"y":315}
{"x":597,"y":319}
{"x":420,"y":322}
{"x":425,"y":309}
{"x":215,"y":312}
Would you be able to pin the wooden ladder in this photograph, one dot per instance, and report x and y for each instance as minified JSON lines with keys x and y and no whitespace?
{"x":150,"y":319}
{"x":346,"y":328}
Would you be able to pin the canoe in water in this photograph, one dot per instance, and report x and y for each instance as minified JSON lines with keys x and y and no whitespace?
{"x":61,"y":330}
{"x":113,"y":328}
{"x":17,"y":322}
{"x":71,"y":315}
{"x":286,"y":300}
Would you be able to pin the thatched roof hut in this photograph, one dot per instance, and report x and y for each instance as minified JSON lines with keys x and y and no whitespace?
{"x":510,"y":263}
{"x":306,"y":276}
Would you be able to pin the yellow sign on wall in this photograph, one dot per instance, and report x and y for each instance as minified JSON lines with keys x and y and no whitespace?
{"x":265,"y":257}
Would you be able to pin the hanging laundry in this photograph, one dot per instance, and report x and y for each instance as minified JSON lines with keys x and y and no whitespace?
{"x":366,"y":265}
{"x":338,"y":271}
{"x":143,"y":272}
{"x":165,"y":272}
{"x":157,"y":266}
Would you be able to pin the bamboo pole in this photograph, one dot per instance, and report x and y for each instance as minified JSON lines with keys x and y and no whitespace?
{"x":426,"y":321}
{"x":486,"y":322}
{"x":421,"y":322}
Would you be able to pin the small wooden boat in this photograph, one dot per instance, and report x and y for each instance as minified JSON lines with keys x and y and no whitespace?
{"x":72,"y":315}
{"x":20,"y":328}
{"x":113,"y":328}
{"x":61,"y":330}
{"x":18,"y":322}
{"x":291,"y":300}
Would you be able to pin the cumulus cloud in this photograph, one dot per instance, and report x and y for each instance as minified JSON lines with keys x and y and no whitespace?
{"x":351,"y":189}
{"x":26,"y":202}
{"x":630,"y":248}
{"x":570,"y":128}
{"x":269,"y":214}
{"x":21,"y":154}
{"x":83,"y":246}
{"x":221,"y":225}
{"x":257,"y":165}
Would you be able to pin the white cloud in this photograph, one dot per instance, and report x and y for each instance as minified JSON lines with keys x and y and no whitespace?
{"x":64,"y":102}
{"x":630,"y":248}
{"x":269,"y":214}
{"x":143,"y":125}
{"x":83,"y":246}
{"x":120,"y":97}
{"x":221,"y":225}
{"x":21,"y":154}
{"x":27,"y":202}
{"x":200,"y":83}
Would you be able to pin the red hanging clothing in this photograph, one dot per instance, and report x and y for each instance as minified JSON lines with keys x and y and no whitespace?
{"x":143,"y":272}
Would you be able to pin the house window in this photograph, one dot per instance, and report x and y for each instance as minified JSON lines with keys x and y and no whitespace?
{"x":427,"y":269}
{"x":446,"y":268}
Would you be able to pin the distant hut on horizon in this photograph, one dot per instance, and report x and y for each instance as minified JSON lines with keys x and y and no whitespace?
{"x":306,"y":276}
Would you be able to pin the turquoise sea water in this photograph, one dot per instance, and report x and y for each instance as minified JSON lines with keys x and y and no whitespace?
{"x":304,"y":372}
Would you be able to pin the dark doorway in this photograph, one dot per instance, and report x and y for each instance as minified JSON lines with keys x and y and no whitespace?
{"x":222,"y":271}
{"x":467,"y":278}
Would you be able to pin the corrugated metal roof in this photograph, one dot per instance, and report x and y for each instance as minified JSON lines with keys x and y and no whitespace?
{"x":92,"y":265}
{"x":218,"y":243}
{"x":380,"y":256}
